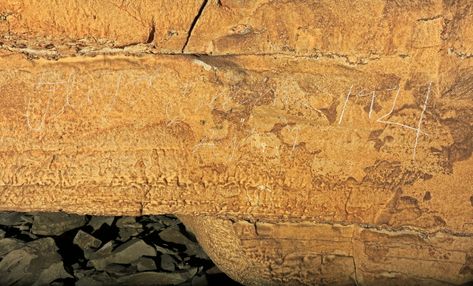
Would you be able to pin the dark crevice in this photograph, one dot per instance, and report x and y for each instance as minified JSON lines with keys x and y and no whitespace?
{"x":69,"y":252}
{"x":152,"y":32}
{"x":194,"y":22}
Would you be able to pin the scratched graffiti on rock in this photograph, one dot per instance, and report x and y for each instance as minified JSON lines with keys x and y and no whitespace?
{"x":385,"y":118}
{"x":50,"y":94}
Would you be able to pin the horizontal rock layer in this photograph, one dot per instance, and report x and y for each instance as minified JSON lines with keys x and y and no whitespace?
{"x":355,"y":31}
{"x":280,"y":137}
{"x":308,"y":253}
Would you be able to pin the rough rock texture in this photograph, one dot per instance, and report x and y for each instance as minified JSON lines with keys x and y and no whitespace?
{"x":34,"y":263}
{"x":85,"y":25}
{"x":308,"y":253}
{"x":352,"y":113}
{"x":55,"y":223}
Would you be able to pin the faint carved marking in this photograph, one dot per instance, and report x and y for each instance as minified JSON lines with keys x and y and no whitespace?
{"x":384,"y":118}
{"x":345,"y":105}
{"x":419,"y":124}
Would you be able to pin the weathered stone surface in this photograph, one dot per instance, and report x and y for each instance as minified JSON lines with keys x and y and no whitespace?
{"x":348,"y":113}
{"x":145,"y":264}
{"x":96,"y":279}
{"x":128,"y":227}
{"x":118,"y":270}
{"x":371,"y":29}
{"x":13,"y":218}
{"x":379,"y":178}
{"x":199,"y":281}
{"x":102,"y":253}
{"x":310,"y":253}
{"x":174,"y":235}
{"x":167,"y":263}
{"x":56,"y":223}
{"x":35,"y":263}
{"x":125,"y":254}
{"x":97,"y":24}
{"x":165,"y":250}
{"x":157,"y":278}
{"x":96,"y":222}
{"x":9,"y":244}
{"x":86,"y":241}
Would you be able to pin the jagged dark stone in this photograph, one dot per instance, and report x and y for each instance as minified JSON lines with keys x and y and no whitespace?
{"x":63,"y":249}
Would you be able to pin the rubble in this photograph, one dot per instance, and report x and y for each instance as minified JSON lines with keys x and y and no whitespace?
{"x":125,"y":254}
{"x":61,"y":249}
{"x":96,"y":222}
{"x":35,"y":263}
{"x":56,"y":223}
{"x":86,"y":241}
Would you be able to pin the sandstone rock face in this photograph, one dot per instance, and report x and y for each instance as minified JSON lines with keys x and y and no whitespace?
{"x":352,"y":119}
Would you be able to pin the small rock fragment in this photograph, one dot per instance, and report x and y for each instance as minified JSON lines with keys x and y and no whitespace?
{"x":118,"y":270}
{"x":183,"y":265}
{"x":199,"y":280}
{"x":157,"y":278}
{"x":145,"y":264}
{"x":56,"y":223}
{"x":9,"y":244}
{"x":125,"y":254}
{"x":96,"y":279}
{"x":165,"y":250}
{"x":213,"y":271}
{"x":2,"y":233}
{"x":167,"y":263}
{"x":126,"y":221}
{"x":14,"y":267}
{"x":22,"y":227}
{"x":86,"y":241}
{"x":79,"y":272}
{"x":174,"y":235}
{"x":51,"y":273}
{"x":35,"y":263}
{"x":128,"y":227}
{"x":14,"y":218}
{"x":165,"y":219}
{"x":97,"y":221}
{"x":103,"y":252}
{"x":29,"y":234}
{"x":156,"y":225}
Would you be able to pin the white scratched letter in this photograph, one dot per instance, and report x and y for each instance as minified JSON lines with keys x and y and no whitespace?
{"x":418,"y":131}
{"x":345,"y":105}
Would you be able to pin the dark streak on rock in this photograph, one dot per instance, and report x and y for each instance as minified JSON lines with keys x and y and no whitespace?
{"x":152,"y":32}
{"x":194,"y":22}
{"x":374,"y":136}
{"x":427,"y":196}
{"x":331,"y":112}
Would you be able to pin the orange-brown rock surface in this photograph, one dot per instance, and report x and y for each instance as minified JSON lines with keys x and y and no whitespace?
{"x":306,"y":142}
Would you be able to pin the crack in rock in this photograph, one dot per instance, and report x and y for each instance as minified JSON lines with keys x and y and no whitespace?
{"x":194,"y":22}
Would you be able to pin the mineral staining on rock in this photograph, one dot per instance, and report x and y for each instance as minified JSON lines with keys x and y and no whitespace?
{"x":350,"y":112}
